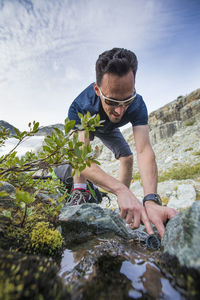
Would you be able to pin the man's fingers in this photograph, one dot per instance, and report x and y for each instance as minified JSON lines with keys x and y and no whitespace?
{"x":160,"y":227}
{"x":123,"y":213}
{"x":136,"y":222}
{"x":172,"y":212}
{"x":129,"y":216}
{"x":147,"y":223}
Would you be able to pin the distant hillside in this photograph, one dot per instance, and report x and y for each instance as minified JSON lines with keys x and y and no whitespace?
{"x":7,"y":126}
{"x":47,"y":130}
{"x":43,"y":131}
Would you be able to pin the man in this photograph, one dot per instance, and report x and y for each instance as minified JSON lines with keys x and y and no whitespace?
{"x":114,"y":97}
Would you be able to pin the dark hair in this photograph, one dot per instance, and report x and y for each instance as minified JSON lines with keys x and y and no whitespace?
{"x":118,"y":61}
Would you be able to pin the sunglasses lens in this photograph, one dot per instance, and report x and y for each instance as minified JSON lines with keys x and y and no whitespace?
{"x":111,"y":103}
{"x":115,"y":104}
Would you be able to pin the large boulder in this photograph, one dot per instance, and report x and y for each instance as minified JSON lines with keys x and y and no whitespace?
{"x":181,"y":249}
{"x":182,"y":237}
{"x":83,"y":221}
{"x":183,"y":197}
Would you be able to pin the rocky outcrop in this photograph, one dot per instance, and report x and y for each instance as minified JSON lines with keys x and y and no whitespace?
{"x":165,"y":121}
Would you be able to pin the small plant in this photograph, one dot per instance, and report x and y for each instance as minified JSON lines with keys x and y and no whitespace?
{"x":188,"y":149}
{"x":196,"y":153}
{"x":165,"y":201}
{"x":22,"y":200}
{"x":190,"y":123}
{"x":45,"y":239}
{"x":180,"y":172}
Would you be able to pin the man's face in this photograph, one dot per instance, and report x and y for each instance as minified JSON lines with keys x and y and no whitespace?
{"x":118,"y":88}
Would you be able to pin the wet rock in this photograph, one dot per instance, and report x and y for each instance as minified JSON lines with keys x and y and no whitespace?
{"x":29,"y":277}
{"x":108,"y":267}
{"x":182,"y":237}
{"x":81,"y":221}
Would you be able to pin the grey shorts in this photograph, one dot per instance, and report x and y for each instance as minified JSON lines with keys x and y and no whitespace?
{"x":114,"y":141}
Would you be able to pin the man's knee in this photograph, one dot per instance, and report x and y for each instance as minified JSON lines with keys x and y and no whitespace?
{"x":127,"y":159}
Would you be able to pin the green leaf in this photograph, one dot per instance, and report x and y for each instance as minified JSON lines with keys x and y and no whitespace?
{"x":80,"y":115}
{"x":7,"y":213}
{"x":3,"y":194}
{"x":35,"y":126}
{"x":23,"y":197}
{"x":46,"y":148}
{"x":17,"y":132}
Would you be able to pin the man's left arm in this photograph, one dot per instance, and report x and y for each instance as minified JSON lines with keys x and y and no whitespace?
{"x":157,"y":214}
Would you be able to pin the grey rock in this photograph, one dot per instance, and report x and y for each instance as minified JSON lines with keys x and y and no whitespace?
{"x":81,"y":221}
{"x":182,"y":237}
{"x":184,"y":197}
{"x":7,"y":187}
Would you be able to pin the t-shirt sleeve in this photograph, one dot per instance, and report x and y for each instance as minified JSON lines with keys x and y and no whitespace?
{"x":73,"y":113}
{"x":140,"y":115}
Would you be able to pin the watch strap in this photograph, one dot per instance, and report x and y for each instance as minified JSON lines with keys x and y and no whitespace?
{"x":152,"y":197}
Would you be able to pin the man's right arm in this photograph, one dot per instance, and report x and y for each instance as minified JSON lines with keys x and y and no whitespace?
{"x":131,"y":209}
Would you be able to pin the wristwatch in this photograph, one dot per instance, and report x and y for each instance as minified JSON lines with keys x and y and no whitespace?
{"x":152,"y":197}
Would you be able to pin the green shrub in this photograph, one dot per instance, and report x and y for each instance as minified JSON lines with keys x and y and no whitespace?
{"x":197,"y":153}
{"x":190,"y":123}
{"x":188,"y":149}
{"x":180,"y":172}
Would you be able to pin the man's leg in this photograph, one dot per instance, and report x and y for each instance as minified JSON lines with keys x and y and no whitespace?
{"x":81,"y":180}
{"x":126,"y":169}
{"x":115,"y":141}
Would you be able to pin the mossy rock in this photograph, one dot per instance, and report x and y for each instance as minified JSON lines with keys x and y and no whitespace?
{"x":29,"y":277}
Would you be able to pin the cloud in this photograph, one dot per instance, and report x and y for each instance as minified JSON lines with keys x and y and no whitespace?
{"x":49,"y":48}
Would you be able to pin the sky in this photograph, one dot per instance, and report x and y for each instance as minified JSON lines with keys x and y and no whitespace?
{"x":48,"y":51}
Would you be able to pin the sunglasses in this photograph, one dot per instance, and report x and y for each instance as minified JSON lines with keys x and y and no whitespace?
{"x":116,"y":103}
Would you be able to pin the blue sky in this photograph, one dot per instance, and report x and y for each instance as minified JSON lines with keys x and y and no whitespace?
{"x":48,"y":51}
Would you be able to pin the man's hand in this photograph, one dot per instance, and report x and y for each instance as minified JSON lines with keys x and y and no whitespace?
{"x":132,"y":210}
{"x":159,"y":215}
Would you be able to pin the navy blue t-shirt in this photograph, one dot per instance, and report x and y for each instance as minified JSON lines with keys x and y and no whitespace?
{"x":136,"y":113}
